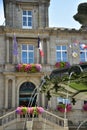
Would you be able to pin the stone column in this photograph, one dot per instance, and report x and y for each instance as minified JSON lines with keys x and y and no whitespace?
{"x":41,"y":15}
{"x":13,"y":93}
{"x":48,"y":52}
{"x":47,"y":19}
{"x":7,"y":50}
{"x":38,"y":56}
{"x":15,"y":59}
{"x":6,"y":93}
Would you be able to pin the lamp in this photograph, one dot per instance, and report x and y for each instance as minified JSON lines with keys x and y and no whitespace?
{"x":73,"y":101}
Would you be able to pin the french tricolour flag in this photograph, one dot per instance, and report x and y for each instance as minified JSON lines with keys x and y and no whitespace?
{"x":40,"y":47}
{"x":83,"y":46}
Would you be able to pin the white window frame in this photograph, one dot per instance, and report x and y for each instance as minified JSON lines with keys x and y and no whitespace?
{"x":63,"y":100}
{"x":61,"y":51}
{"x":27,"y":16}
{"x":27,"y":51}
{"x":85,"y":52}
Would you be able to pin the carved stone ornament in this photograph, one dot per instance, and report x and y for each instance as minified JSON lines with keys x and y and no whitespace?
{"x":81,"y":15}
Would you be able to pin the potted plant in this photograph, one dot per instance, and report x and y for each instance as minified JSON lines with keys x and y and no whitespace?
{"x":62,"y":64}
{"x":29,"y":110}
{"x":85,"y":107}
{"x":61,"y":107}
{"x":32,"y":68}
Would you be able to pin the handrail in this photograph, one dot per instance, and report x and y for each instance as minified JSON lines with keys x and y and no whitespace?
{"x":7,"y":118}
{"x":7,"y":114}
{"x":45,"y":115}
{"x":55,"y":119}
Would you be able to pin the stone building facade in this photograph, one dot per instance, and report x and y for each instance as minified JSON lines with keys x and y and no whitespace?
{"x":12,"y":81}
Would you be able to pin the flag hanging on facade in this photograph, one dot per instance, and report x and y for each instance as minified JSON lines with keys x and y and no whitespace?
{"x":83,"y":46}
{"x":76,"y":42}
{"x":15,"y":46}
{"x":40,"y":47}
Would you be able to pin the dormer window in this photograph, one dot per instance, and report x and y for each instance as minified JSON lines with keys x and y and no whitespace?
{"x":27,"y":19}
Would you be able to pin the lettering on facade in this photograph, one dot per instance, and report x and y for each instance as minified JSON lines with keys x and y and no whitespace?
{"x":62,"y":41}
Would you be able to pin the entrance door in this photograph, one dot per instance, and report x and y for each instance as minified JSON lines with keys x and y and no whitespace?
{"x":25,"y":94}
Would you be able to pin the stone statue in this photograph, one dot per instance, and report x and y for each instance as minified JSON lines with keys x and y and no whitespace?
{"x":81,"y":15}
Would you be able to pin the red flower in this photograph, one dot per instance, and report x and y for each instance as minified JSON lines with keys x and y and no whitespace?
{"x":28,"y":67}
{"x":61,"y":107}
{"x":30,"y":110}
{"x":85,"y":107}
{"x":62,"y":64}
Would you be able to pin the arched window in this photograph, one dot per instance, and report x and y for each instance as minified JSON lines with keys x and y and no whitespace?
{"x":25,"y":94}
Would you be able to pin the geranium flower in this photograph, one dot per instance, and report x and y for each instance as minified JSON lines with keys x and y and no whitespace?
{"x":28,"y":68}
{"x":40,"y":110}
{"x":18,"y":67}
{"x":30,"y":110}
{"x":62,"y":64}
{"x":85,"y":107}
{"x":61,"y":107}
{"x":38,"y":67}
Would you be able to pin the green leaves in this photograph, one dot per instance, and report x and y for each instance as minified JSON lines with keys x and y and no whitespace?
{"x":67,"y":83}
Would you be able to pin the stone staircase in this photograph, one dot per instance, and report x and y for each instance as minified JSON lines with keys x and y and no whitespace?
{"x":45,"y":121}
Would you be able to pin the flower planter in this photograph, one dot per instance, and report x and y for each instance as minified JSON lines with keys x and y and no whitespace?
{"x":30,"y":68}
{"x":62,"y":65}
{"x":29,"y":110}
{"x":85,"y":107}
{"x":61,"y":107}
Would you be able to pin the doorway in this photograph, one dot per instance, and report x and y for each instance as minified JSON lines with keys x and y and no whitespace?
{"x":25,"y":94}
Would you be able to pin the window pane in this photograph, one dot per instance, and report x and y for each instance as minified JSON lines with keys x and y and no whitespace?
{"x":82,"y":55}
{"x":31,"y":61}
{"x":24,"y":47}
{"x":24,"y":23}
{"x":86,"y":55}
{"x":31,"y":55}
{"x":24,"y":57}
{"x":24,"y":19}
{"x":63,"y":47}
{"x":64,"y":54}
{"x":24,"y":13}
{"x":58,"y":48}
{"x":30,"y":47}
{"x":29,"y":13}
{"x":29,"y":19}
{"x":29,"y":24}
{"x":58,"y":56}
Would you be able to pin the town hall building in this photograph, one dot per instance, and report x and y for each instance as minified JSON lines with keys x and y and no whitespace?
{"x":27,"y":22}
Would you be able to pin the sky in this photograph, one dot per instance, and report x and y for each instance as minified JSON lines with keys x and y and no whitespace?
{"x":61,"y":13}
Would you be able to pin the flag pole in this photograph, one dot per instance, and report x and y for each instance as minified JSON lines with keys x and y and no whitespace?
{"x":15,"y":49}
{"x":40,"y":47}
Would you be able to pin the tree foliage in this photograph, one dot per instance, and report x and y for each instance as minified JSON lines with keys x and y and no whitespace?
{"x":53,"y":85}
